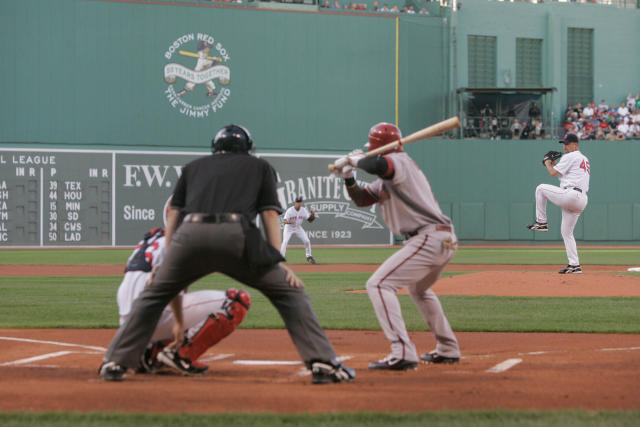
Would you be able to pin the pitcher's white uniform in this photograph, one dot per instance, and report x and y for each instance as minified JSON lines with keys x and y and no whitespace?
{"x":197,"y":305}
{"x":409,"y":208}
{"x":295,"y":218}
{"x":571,"y":196}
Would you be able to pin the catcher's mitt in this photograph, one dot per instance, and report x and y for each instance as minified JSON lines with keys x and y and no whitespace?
{"x":312,"y":217}
{"x":551,"y":155}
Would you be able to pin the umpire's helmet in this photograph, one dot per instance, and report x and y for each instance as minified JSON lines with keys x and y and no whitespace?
{"x":233,"y":138}
{"x":383,"y":134}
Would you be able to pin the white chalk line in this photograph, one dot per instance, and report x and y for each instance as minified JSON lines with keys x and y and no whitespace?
{"x":217,"y":357}
{"x":62,"y":344}
{"x":45,"y":356}
{"x":504,"y":366}
{"x":620,"y":349}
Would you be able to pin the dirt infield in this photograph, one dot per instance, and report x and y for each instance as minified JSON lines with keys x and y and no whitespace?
{"x":589,"y":371}
{"x":259,"y":370}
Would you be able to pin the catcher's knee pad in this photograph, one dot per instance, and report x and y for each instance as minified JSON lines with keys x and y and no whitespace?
{"x":217,"y":325}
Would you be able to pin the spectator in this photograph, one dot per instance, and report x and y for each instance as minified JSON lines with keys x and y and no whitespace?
{"x":534,"y":112}
{"x":600,"y":134}
{"x":603,"y":106}
{"x":631,"y":101}
{"x":516,"y":129}
{"x":589,"y":110}
{"x":494,"y":127}
{"x":385,"y":8}
{"x":326,"y":4}
{"x":538,"y":132}
{"x":622,"y":110}
{"x":623,"y":128}
{"x":486,"y":111}
{"x":335,"y":4}
{"x":395,"y":9}
{"x":526,"y":131}
{"x":405,"y":9}
{"x":376,"y":6}
{"x":412,"y":10}
{"x":619,"y":136}
{"x":634,"y":130}
{"x":423,"y":11}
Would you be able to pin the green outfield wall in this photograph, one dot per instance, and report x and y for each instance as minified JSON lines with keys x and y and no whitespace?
{"x":488,"y":188}
{"x":79,"y":72}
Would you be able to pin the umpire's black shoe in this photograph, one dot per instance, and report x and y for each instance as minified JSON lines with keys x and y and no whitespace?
{"x":311,"y":260}
{"x":327,"y":373}
{"x":571,"y":269}
{"x":435,"y":358}
{"x":393,"y":364}
{"x":538,"y":226}
{"x":111,"y":371}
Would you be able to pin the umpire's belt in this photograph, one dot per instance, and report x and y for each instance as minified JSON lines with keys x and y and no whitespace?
{"x":579,"y":190}
{"x":438,"y":227}
{"x":213,"y":218}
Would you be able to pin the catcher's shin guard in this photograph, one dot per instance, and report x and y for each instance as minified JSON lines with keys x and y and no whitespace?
{"x":218,"y":325}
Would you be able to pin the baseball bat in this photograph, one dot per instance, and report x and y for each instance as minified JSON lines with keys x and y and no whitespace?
{"x":195,"y":55}
{"x":428,"y":132}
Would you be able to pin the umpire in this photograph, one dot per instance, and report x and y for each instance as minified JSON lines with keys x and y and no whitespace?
{"x":219,"y":197}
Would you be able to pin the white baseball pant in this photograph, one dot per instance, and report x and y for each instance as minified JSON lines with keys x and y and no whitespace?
{"x":572,"y":203}
{"x":298,"y":231}
{"x":416,"y":267}
{"x":197,"y":306}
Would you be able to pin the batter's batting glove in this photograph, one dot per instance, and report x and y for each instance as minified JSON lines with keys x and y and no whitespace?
{"x":355,"y":156}
{"x":347,"y":172}
{"x":341,"y":162}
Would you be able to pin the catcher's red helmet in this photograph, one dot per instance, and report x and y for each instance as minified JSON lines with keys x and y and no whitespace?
{"x":383,"y":134}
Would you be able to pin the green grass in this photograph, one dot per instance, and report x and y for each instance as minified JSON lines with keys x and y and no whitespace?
{"x":514,"y":255}
{"x":436,"y":419}
{"x":90,"y":302}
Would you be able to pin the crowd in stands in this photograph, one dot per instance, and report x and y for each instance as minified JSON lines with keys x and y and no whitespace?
{"x":605,"y":121}
{"x":490,"y":125}
{"x":353,"y":6}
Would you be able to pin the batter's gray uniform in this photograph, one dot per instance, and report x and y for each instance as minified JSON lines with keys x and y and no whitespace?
{"x":410,"y":209}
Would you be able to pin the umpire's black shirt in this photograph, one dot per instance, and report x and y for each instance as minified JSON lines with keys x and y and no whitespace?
{"x":227,"y":183}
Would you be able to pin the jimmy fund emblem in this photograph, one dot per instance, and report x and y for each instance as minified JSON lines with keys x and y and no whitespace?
{"x":196,"y":62}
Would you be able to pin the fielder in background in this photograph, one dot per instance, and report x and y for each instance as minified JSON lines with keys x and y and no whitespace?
{"x":410,"y":209}
{"x":209,"y":315}
{"x":293,"y":219}
{"x":573,"y":170}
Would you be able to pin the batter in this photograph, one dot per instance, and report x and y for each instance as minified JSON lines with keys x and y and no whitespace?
{"x":574,"y":171}
{"x":293,"y":219}
{"x":209,"y":315}
{"x":410,"y":209}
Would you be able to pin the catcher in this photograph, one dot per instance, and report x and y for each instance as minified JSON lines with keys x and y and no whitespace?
{"x":573,"y":169}
{"x":293,"y":219}
{"x":209,"y":315}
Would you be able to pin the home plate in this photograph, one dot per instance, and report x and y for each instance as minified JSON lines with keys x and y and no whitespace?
{"x":266,"y":362}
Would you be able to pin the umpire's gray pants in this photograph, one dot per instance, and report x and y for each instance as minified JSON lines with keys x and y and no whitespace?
{"x":197,"y":250}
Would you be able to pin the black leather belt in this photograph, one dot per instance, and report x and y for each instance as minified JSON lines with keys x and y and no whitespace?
{"x":213,"y":218}
{"x":439,"y":227}
{"x":579,"y":190}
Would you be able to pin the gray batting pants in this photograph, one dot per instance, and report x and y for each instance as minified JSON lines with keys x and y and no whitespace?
{"x":415,"y":267}
{"x":197,"y":250}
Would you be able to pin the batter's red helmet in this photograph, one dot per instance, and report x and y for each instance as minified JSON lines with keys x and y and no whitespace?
{"x":383,"y":134}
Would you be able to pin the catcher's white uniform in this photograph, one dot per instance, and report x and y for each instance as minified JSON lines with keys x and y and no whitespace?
{"x":295,"y":218}
{"x":197,"y":306}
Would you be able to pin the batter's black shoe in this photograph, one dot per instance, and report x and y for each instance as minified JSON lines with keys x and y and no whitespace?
{"x":327,"y":373}
{"x":311,"y":260}
{"x":538,"y":226}
{"x":391,"y":363}
{"x":111,"y":371}
{"x":571,"y":269}
{"x":180,"y":364}
{"x":435,"y":358}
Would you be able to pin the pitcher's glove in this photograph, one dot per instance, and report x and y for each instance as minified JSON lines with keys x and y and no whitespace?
{"x":312,"y":217}
{"x":551,"y":155}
